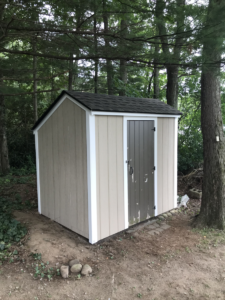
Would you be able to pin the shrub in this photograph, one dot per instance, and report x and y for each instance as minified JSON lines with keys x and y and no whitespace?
{"x":11,"y":230}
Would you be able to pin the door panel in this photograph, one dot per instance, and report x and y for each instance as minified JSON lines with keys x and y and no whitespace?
{"x":140,"y":154}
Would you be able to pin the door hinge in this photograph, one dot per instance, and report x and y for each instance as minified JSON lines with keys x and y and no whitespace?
{"x":154,"y":207}
{"x":154,"y":168}
{"x":154,"y":129}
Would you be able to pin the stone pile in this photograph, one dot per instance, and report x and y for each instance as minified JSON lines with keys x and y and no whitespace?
{"x":75,"y":267}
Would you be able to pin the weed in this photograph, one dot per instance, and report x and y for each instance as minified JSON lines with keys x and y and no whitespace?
{"x":188,"y":250}
{"x":139,"y":295}
{"x":210,"y":237}
{"x":41,"y":269}
{"x":36,"y":256}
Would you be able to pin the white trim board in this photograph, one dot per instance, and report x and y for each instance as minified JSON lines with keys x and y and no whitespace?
{"x":124,"y":114}
{"x":126,"y":201}
{"x":92,"y":182}
{"x":38,"y":172}
{"x":175,"y":160}
{"x":56,"y":106}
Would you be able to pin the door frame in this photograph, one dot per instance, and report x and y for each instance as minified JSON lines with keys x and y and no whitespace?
{"x":126,"y":200}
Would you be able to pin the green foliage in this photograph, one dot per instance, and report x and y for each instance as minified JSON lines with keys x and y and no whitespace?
{"x":41,"y":269}
{"x":11,"y":179}
{"x":11,"y":230}
{"x":190,"y":144}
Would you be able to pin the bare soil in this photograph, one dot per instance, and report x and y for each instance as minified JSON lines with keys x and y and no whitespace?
{"x":177,"y":264}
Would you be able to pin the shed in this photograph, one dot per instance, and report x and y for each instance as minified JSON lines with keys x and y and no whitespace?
{"x":105,"y":162}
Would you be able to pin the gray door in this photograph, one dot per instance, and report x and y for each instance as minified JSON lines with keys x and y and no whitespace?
{"x":140,"y":155}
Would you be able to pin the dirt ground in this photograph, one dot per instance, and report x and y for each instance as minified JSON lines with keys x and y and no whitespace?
{"x":180,"y":263}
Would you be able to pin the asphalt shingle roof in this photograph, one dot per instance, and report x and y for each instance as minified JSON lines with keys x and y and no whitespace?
{"x":109,"y":103}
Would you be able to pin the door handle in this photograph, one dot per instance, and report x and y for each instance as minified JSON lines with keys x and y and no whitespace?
{"x":131,"y":170}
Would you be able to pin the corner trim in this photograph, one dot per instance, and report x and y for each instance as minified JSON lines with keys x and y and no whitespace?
{"x":175,"y":160}
{"x":91,"y":173}
{"x":38,"y":171}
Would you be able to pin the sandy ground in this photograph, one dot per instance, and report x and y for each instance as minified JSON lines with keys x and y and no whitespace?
{"x":172,"y":265}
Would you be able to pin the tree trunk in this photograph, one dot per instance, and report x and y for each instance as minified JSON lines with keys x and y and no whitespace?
{"x":172,"y":69}
{"x":172,"y":86}
{"x":212,"y":211}
{"x":123,"y":63}
{"x":4,"y":159}
{"x":96,"y":60}
{"x":156,"y":73}
{"x":35,"y":81}
{"x":150,"y":84}
{"x":109,"y":68}
{"x":70,"y":81}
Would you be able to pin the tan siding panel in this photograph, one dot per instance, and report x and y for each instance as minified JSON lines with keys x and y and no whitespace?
{"x":109,"y":167}
{"x":170,"y":159}
{"x":120,"y":174}
{"x":103,"y":177}
{"x":63,"y":167}
{"x":50,"y":174}
{"x":112,"y":174}
{"x":56,"y":166}
{"x":165,"y":162}
{"x":74,"y":212}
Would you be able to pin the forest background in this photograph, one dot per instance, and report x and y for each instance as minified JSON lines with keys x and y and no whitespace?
{"x":143,"y":48}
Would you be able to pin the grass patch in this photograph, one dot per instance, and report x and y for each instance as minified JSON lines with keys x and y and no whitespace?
{"x":210,"y":237}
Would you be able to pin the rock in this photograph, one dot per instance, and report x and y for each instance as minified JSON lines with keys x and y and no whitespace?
{"x":169,"y":214}
{"x":154,"y":232}
{"x":136,"y":234}
{"x":130,"y":231}
{"x":165,"y":226}
{"x":64,"y":270}
{"x":150,"y":227}
{"x":76,"y":268}
{"x":195,"y":193}
{"x":152,"y":222}
{"x":156,"y":225}
{"x":86,"y":270}
{"x":73,"y":262}
{"x":161,"y":218}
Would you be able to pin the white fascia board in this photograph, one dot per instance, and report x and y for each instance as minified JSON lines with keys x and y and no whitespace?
{"x":106,"y":113}
{"x":175,"y":161}
{"x":65,"y":96}
{"x":38,"y":172}
{"x":91,"y":173}
{"x":125,"y":119}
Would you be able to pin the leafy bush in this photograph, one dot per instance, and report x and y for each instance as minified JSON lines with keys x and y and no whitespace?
{"x":11,"y":230}
{"x":190,"y":149}
{"x":190,"y":143}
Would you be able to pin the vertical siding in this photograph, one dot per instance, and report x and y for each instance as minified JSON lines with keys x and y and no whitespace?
{"x":109,"y":174}
{"x":63,"y":167}
{"x":165,"y":164}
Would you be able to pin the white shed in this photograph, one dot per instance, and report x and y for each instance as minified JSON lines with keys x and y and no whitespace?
{"x":105,"y":162}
